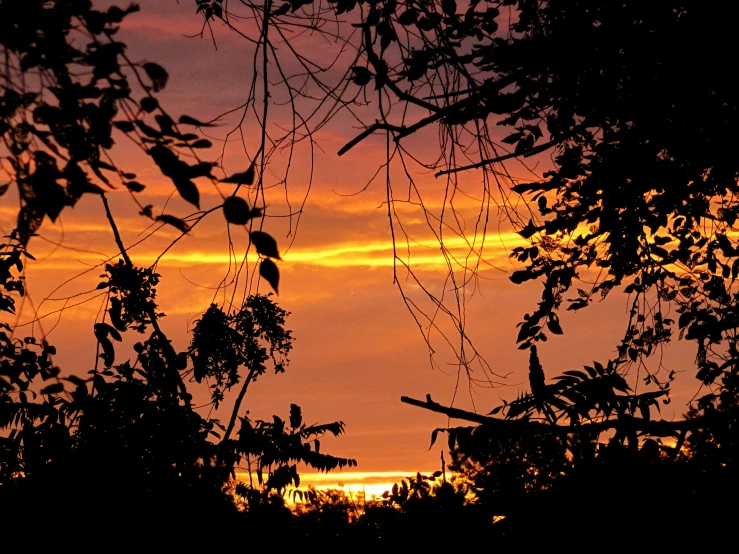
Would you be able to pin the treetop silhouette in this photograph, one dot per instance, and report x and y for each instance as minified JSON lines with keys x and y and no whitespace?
{"x":126,"y":429}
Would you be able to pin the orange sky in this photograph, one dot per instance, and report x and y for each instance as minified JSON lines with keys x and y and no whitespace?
{"x":357,"y":348}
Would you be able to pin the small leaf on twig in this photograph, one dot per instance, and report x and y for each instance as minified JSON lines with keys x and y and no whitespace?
{"x":188,"y":190}
{"x":157,"y":74}
{"x":265,"y":244}
{"x":237,"y":211}
{"x":268,"y":270}
{"x":149,"y":104}
{"x":202,"y":143}
{"x":134,"y":186}
{"x":174,"y":222}
{"x":187,"y":120}
{"x":244,"y":178}
{"x":362,"y":75}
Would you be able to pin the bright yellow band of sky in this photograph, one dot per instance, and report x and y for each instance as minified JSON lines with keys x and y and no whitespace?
{"x":373,"y":254}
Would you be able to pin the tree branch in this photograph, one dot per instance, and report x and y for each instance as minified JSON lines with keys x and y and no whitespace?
{"x":237,"y":405}
{"x":381,"y":69}
{"x":151,"y":313}
{"x":116,"y":234}
{"x":658,"y":428}
{"x":377,"y":126}
{"x":533,"y":151}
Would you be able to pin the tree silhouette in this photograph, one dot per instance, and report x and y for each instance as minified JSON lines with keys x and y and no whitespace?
{"x":640,"y":199}
{"x":125,"y":435}
{"x":640,"y":194}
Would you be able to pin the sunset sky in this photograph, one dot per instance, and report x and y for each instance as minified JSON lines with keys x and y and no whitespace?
{"x":357,"y":347}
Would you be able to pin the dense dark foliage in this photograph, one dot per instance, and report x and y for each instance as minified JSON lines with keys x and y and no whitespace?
{"x":641,"y":194}
{"x":127,"y":432}
{"x":69,"y":92}
{"x":124,"y":437}
{"x":641,"y":197}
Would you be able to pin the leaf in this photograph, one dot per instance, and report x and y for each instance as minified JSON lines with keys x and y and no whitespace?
{"x":134,"y":186}
{"x":528,"y":231}
{"x":553,"y":325}
{"x":149,"y":104}
{"x":296,"y":417}
{"x":202,"y":143}
{"x":426,"y":24}
{"x":149,"y":131}
{"x":265,"y":244}
{"x":513,"y":138}
{"x":244,"y":178}
{"x":102,"y":330}
{"x":525,"y":144}
{"x":174,"y":222}
{"x":452,"y":438}
{"x":434,"y":435}
{"x":644,"y":409}
{"x":75,"y":380}
{"x":521,"y":276}
{"x":125,"y":126}
{"x":157,"y":74}
{"x":236,"y":210}
{"x":187,"y":120}
{"x":268,"y":270}
{"x":526,"y":332}
{"x":362,"y":75}
{"x":522,"y":188}
{"x":53,"y":389}
{"x":167,"y":126}
{"x":115,"y":314}
{"x":108,"y":355}
{"x":188,"y":191}
{"x":408,"y":17}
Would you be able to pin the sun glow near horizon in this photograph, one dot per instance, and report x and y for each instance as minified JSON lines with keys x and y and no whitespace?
{"x":370,"y":484}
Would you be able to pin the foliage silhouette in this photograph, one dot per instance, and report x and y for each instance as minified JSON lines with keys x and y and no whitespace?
{"x":129,"y":428}
{"x":125,"y":436}
{"x":421,"y":511}
{"x":64,"y":106}
{"x":641,"y":199}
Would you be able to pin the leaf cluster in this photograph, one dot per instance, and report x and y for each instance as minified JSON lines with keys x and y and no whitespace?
{"x":224,"y":344}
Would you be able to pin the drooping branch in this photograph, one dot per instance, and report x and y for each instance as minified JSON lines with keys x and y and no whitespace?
{"x":151,"y":312}
{"x":656,"y":428}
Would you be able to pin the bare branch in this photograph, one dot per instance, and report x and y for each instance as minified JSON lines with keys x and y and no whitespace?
{"x":656,"y":428}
